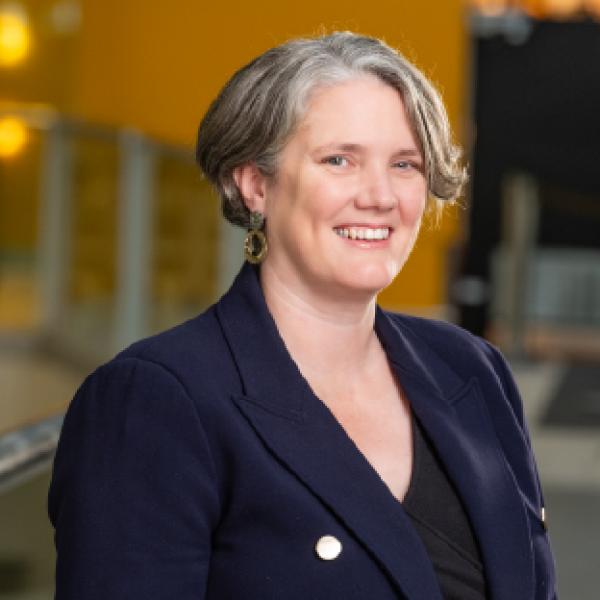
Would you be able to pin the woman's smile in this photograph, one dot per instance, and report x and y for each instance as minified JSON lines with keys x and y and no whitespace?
{"x":365,"y":236}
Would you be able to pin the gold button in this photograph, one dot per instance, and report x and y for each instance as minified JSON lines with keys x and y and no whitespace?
{"x":543,"y":517}
{"x":328,"y":547}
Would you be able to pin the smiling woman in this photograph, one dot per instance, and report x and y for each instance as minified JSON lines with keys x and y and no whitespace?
{"x":295,"y":441}
{"x":348,"y":105}
{"x":342,"y":174}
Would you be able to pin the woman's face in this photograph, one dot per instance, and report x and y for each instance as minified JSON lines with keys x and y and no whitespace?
{"x":344,"y":209}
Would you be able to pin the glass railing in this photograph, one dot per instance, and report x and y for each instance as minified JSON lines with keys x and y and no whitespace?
{"x":106,"y":236}
{"x":119,"y":235}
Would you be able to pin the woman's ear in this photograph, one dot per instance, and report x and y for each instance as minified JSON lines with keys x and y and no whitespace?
{"x":252,"y":184}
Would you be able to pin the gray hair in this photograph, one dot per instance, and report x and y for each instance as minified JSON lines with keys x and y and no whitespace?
{"x":260,"y":106}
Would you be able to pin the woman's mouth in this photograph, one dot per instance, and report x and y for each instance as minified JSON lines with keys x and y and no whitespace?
{"x":363,"y":233}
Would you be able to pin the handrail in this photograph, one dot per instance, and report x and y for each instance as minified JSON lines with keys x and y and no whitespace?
{"x":44,"y":118}
{"x":27,"y":451}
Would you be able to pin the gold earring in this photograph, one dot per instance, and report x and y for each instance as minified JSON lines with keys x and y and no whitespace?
{"x":255,"y":242}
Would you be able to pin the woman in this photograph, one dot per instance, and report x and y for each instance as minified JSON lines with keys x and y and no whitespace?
{"x":295,"y":441}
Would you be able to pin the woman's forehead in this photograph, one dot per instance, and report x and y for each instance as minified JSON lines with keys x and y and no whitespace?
{"x":354,"y":112}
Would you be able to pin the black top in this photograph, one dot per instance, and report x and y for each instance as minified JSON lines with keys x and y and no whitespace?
{"x":442,"y":523}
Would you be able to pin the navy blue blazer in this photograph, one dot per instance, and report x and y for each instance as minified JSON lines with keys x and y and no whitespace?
{"x":198,"y":464}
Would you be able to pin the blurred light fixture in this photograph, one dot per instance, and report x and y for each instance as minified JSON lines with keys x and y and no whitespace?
{"x":562,"y":9}
{"x":490,"y":8}
{"x":593,"y":7}
{"x":13,"y":136}
{"x":552,"y":9}
{"x":15,"y":36}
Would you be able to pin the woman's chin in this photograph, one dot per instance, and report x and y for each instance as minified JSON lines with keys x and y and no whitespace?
{"x":369,"y":279}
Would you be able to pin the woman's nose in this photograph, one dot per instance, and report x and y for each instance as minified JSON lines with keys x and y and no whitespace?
{"x":377,"y":191}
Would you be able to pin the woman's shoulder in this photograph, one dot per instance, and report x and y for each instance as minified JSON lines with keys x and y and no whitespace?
{"x":452,"y":343}
{"x":193,"y":336}
{"x":135,"y":431}
{"x":194,"y":352}
{"x":468,"y":355}
{"x":175,"y":383}
{"x":191,"y":359}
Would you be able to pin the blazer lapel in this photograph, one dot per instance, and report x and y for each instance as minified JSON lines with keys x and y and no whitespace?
{"x":299,"y":429}
{"x":455,"y":416}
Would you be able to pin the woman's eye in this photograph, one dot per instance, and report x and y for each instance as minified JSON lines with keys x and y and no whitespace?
{"x":336,"y":161}
{"x":405,"y":165}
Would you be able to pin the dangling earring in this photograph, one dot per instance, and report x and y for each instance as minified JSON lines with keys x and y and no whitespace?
{"x":255,"y":242}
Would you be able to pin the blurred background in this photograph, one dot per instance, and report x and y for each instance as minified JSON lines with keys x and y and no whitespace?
{"x":108,"y":232}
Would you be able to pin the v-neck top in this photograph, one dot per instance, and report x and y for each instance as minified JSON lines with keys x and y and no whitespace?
{"x":441,"y":521}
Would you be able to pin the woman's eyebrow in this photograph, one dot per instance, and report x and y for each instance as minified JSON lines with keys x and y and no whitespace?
{"x":353,"y":147}
{"x":340,"y":147}
{"x":410,"y":152}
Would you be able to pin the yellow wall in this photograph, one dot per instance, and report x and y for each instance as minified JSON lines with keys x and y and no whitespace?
{"x":156,"y":65}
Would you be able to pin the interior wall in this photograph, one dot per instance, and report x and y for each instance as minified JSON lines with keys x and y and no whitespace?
{"x":157,"y":66}
{"x":144,"y":63}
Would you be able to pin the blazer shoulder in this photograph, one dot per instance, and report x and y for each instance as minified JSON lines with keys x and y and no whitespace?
{"x":190,"y":335}
{"x":195,"y":352}
{"x":467,"y":354}
{"x":458,"y":347}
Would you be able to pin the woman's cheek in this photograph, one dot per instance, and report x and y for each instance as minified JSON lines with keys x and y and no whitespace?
{"x":416,"y":207}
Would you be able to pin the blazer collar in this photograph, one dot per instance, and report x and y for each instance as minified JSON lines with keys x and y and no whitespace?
{"x":455,"y":415}
{"x":301,"y":431}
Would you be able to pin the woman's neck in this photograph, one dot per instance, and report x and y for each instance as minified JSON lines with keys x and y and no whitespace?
{"x":326,"y":338}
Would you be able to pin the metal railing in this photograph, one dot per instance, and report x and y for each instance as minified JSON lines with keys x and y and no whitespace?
{"x":140,"y":179}
{"x":28,"y":451}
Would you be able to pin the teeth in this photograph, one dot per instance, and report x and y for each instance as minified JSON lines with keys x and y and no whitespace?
{"x":363,"y":233}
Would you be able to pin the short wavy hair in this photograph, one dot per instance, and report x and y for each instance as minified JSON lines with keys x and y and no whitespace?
{"x":259,"y":108}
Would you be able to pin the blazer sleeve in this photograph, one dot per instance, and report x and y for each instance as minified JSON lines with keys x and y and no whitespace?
{"x":512,"y":394}
{"x":524,"y":464}
{"x":133,"y":496}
